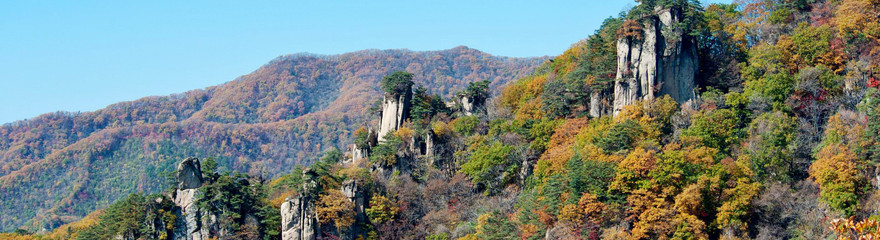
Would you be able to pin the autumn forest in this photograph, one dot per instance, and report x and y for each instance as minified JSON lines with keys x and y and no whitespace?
{"x":758,"y":119}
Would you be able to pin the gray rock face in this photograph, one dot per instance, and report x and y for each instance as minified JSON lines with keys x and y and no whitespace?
{"x":189,"y":174}
{"x":290,"y":218}
{"x":395,"y":110}
{"x":467,"y":106}
{"x":189,"y":179}
{"x":299,"y":220}
{"x":429,"y":145}
{"x":525,"y":171}
{"x":193,"y":223}
{"x":662,"y":62}
{"x":191,"y":216}
{"x":599,"y":105}
{"x":356,"y":154}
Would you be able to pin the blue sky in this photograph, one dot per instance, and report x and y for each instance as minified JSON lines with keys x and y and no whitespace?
{"x":84,"y":55}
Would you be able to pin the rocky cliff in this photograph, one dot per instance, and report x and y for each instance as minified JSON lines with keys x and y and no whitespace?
{"x":599,"y":104}
{"x":194,"y":224}
{"x":357,"y":153}
{"x":395,"y":110}
{"x":298,"y":218}
{"x":468,"y":106}
{"x":659,"y":60}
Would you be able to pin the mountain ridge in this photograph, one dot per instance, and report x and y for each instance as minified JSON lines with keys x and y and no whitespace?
{"x":305,"y":102}
{"x":774,"y":134}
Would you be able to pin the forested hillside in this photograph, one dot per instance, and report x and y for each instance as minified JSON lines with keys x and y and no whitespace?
{"x":58,"y":167}
{"x":777,"y":137}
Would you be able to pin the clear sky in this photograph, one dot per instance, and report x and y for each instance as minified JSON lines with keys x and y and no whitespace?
{"x":84,"y":55}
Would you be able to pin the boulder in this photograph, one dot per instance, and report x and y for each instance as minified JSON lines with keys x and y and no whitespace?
{"x":189,"y":174}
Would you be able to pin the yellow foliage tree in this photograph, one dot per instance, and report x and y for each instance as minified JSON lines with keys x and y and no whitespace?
{"x":571,"y":213}
{"x":521,"y":97}
{"x":840,"y":180}
{"x":334,"y":207}
{"x":405,"y":134}
{"x":688,"y":226}
{"x":656,"y":222}
{"x":632,"y":172}
{"x":653,"y":115}
{"x":382,"y":209}
{"x":530,"y":110}
{"x":592,"y":208}
{"x":733,"y":211}
{"x":588,"y":210}
{"x":661,"y":219}
{"x":845,"y":128}
{"x":855,"y":17}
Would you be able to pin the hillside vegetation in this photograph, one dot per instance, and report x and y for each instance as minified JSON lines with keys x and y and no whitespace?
{"x":58,"y":167}
{"x":781,"y":140}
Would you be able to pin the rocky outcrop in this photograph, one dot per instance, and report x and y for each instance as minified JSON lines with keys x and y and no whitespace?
{"x":155,"y":225}
{"x":358,"y":153}
{"x":661,"y":61}
{"x":467,"y":106}
{"x":599,"y":105}
{"x":395,"y":110}
{"x":355,"y":154}
{"x":298,"y":218}
{"x":470,"y":104}
{"x":189,"y":226}
{"x":525,"y":171}
{"x":189,"y":174}
{"x":194,"y":224}
{"x":429,"y":144}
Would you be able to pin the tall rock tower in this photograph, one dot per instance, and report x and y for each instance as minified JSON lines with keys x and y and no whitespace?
{"x":194,"y":223}
{"x":661,"y":60}
{"x":395,"y":110}
{"x":299,"y":220}
{"x":395,"y":103}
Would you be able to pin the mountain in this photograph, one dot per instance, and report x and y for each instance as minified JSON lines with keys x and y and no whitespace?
{"x":58,"y":167}
{"x":675,"y":120}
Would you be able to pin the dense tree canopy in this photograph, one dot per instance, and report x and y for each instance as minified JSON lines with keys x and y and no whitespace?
{"x":397,"y":83}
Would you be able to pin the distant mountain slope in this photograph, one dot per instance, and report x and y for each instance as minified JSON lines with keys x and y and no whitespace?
{"x":60,"y":166}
